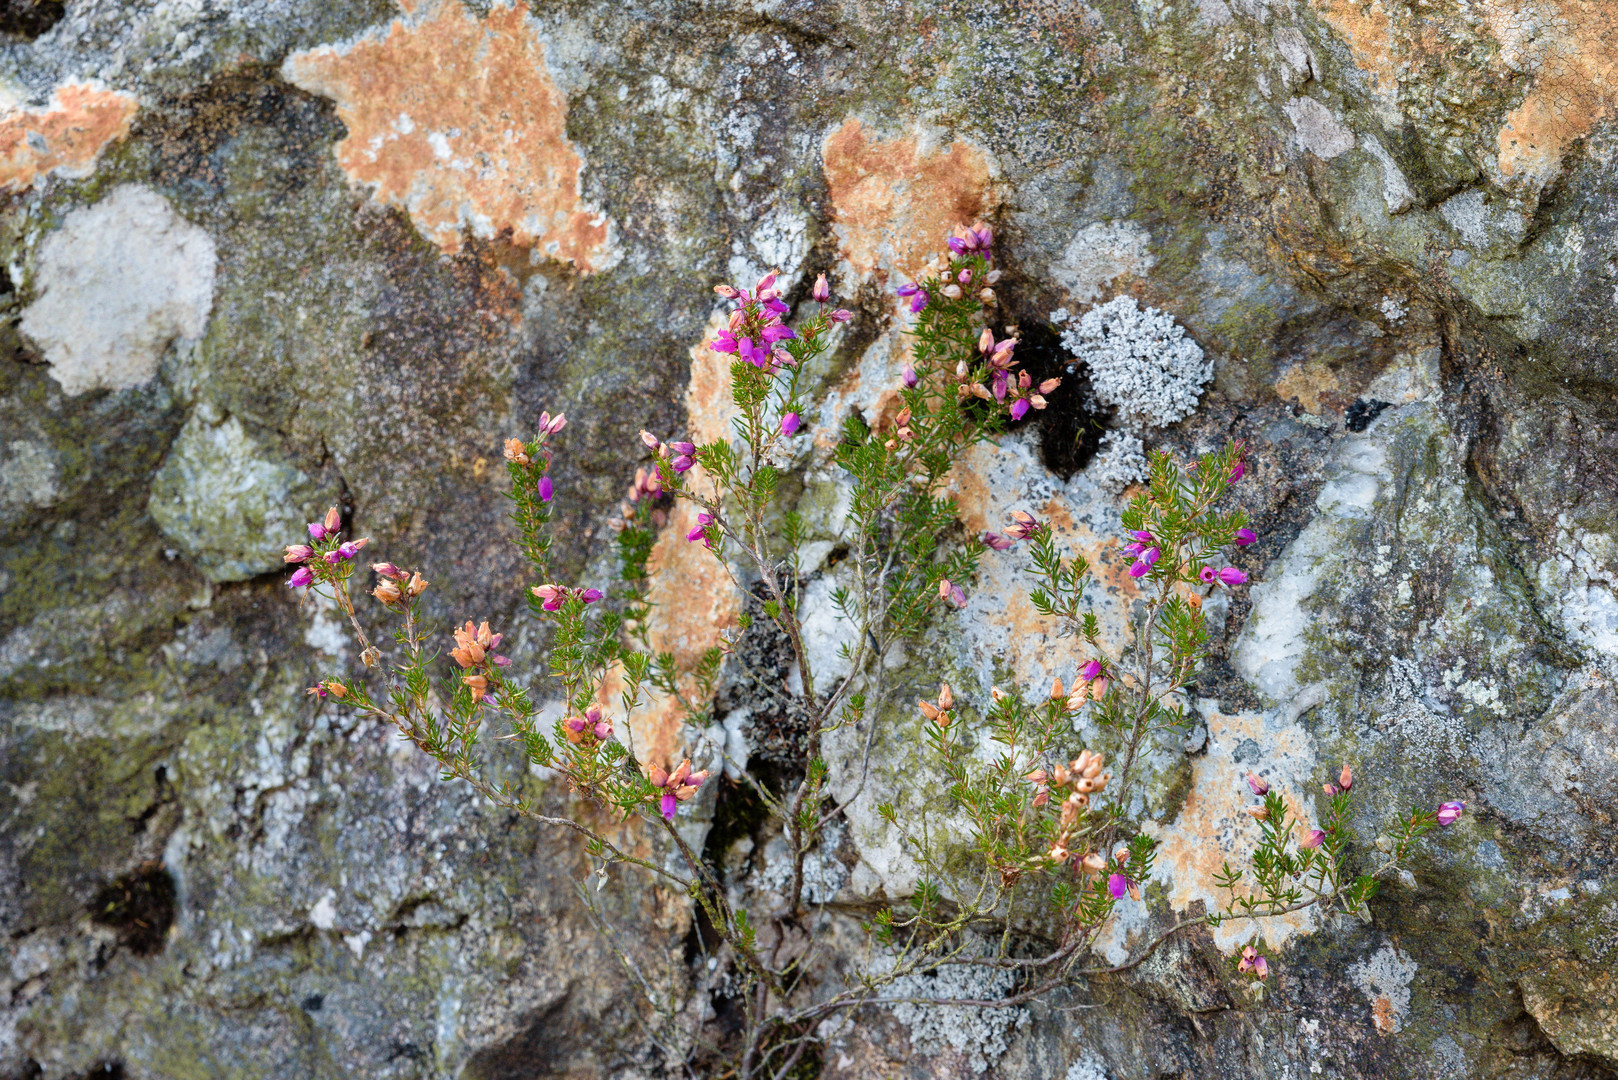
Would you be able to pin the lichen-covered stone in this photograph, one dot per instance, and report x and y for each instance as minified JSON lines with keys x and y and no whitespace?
{"x":1390,"y":228}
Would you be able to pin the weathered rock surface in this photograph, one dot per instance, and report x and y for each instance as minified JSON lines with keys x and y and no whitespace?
{"x":268,"y":255}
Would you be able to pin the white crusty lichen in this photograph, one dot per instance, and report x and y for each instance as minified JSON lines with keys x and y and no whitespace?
{"x":1141,"y":363}
{"x":981,"y":1035}
{"x":1120,"y":462}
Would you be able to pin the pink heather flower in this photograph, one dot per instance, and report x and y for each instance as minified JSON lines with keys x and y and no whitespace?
{"x":996,"y":541}
{"x":684,"y":449}
{"x":668,"y":805}
{"x":348,"y":550}
{"x":1450,"y":813}
{"x":1207,"y":575}
{"x":551,"y":596}
{"x":300,"y":577}
{"x":297,"y":553}
{"x":1232,"y":576}
{"x":789,"y":423}
{"x":918,"y":302}
{"x":821,"y":291}
{"x":1261,"y":967}
{"x":546,"y":489}
{"x":550,"y":425}
{"x":765,"y":283}
{"x":1253,"y":961}
{"x":1142,"y":535}
{"x":682,"y":462}
{"x":1090,"y":672}
{"x":389,"y":571}
{"x":956,"y":596}
{"x":1315,"y":838}
{"x":909,"y":290}
{"x":1246,"y":536}
{"x":701,"y":531}
{"x":841,"y":315}
{"x":1118,"y":885}
{"x":724,"y":343}
{"x":1257,"y":785}
{"x":910,"y":379}
{"x":1329,"y":789}
{"x":1345,"y":779}
{"x":778,"y":332}
{"x":1019,"y":408}
{"x":677,"y":786}
{"x":317,"y":531}
{"x":590,"y":596}
{"x":729,"y":292}
{"x":653,"y":443}
{"x":1139,"y":569}
{"x":1150,"y":556}
{"x":333,"y":557}
{"x":1023,"y":525}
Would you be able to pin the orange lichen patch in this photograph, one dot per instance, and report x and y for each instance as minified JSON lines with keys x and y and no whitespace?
{"x":1570,"y":50}
{"x":1314,"y":386}
{"x":894,"y":202}
{"x":1213,"y":826}
{"x":693,"y":598}
{"x":457,"y":120}
{"x":66,"y":136}
{"x":1567,"y":49}
{"x":1382,"y":1015}
{"x":1368,"y":31}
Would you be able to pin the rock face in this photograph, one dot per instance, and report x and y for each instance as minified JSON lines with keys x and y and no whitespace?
{"x":265,"y":257}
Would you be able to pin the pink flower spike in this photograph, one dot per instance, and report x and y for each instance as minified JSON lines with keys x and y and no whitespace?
{"x":1245,"y":537}
{"x":789,"y":423}
{"x":821,"y":291}
{"x":1257,"y":785}
{"x":300,"y":577}
{"x":1118,"y":885}
{"x":1232,"y":576}
{"x":546,"y":489}
{"x":1450,"y":813}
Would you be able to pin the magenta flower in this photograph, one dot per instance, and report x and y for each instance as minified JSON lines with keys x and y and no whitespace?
{"x":1023,"y":525}
{"x":996,"y":541}
{"x":841,"y":315}
{"x":1237,"y":470}
{"x":910,"y":379}
{"x":1232,"y":576}
{"x":724,"y":343}
{"x":682,"y":462}
{"x":701,"y":531}
{"x":918,"y":302}
{"x":317,"y":531}
{"x":778,"y":332}
{"x":1315,"y":838}
{"x":1207,"y":575}
{"x":1450,"y":813}
{"x":1150,"y":556}
{"x":789,"y":423}
{"x":389,"y":571}
{"x":677,"y":786}
{"x":589,"y":596}
{"x":1118,"y":885}
{"x":1139,"y":569}
{"x":1246,"y":536}
{"x":546,"y":489}
{"x":821,"y":291}
{"x":300,"y":577}
{"x":348,"y":550}
{"x":550,"y":425}
{"x":1090,"y":672}
{"x":1142,"y":535}
{"x":297,"y":553}
{"x":550,"y":596}
{"x":909,"y":290}
{"x":1257,"y":784}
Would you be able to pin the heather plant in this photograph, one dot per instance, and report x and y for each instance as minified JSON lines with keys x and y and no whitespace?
{"x":1025,"y":844}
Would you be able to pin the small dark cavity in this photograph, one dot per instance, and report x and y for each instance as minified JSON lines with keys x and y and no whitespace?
{"x":1071,"y":425}
{"x":107,"y":1070}
{"x":28,"y":19}
{"x":1362,"y":412}
{"x":313,"y":1003}
{"x":140,"y":906}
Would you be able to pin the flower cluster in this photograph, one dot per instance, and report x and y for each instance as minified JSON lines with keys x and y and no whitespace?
{"x":591,"y":729}
{"x":756,"y":329}
{"x":673,"y":788}
{"x":396,"y":584}
{"x":1079,"y":779}
{"x":552,"y":596}
{"x":326,"y":550}
{"x":474,"y":652}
